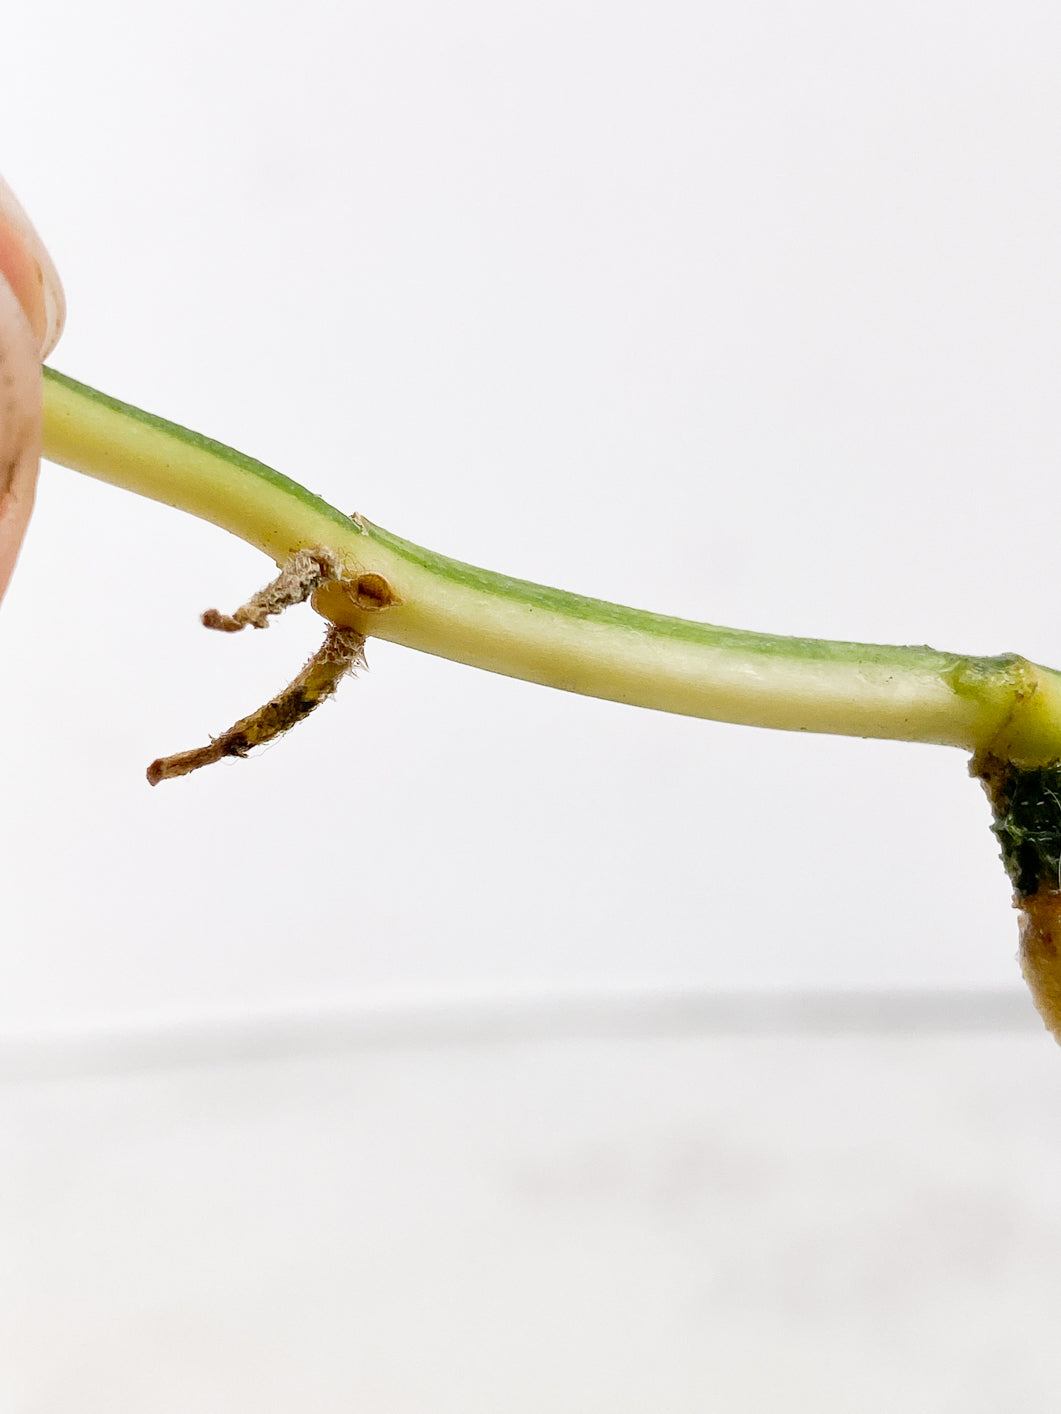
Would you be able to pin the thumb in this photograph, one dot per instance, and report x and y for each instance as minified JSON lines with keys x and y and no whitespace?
{"x":31,"y":316}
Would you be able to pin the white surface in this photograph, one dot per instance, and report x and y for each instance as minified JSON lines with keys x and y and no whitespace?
{"x":583,"y":1225}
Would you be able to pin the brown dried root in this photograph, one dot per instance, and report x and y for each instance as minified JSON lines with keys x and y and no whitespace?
{"x":342,"y":651}
{"x":301,"y":576}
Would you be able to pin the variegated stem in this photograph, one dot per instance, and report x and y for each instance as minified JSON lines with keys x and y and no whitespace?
{"x":392,"y":589}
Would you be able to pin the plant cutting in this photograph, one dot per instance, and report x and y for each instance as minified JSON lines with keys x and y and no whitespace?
{"x":367,"y":582}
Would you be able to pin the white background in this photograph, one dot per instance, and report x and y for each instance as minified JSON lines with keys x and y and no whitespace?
{"x":748,"y":313}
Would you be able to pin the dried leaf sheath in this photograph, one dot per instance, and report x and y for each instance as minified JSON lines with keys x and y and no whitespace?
{"x":341,"y":652}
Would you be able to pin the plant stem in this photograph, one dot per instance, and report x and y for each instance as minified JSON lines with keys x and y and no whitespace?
{"x":395,"y":590}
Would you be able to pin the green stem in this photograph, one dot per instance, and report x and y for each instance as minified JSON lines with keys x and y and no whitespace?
{"x":398,"y":591}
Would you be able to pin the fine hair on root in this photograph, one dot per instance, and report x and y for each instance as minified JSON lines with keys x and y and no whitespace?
{"x":342,"y":651}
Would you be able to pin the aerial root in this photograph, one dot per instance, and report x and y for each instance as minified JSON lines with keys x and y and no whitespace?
{"x":341,"y":652}
{"x":301,"y":576}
